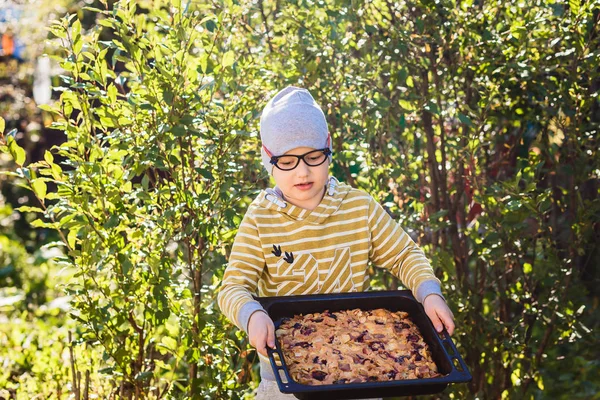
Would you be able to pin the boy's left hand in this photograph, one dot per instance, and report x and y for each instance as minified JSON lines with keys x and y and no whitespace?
{"x":439,"y":313}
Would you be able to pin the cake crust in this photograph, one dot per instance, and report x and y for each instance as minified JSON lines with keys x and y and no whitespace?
{"x":353,"y":346}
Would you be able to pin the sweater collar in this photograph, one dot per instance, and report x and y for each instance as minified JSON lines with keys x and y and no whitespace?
{"x":335,"y":193}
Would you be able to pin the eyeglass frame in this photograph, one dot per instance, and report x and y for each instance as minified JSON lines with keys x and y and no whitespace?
{"x":274,"y":159}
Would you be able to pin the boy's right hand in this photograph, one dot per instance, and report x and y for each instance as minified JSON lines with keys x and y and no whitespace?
{"x":261,"y":332}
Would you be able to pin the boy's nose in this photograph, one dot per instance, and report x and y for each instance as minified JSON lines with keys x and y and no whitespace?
{"x":302,"y":169}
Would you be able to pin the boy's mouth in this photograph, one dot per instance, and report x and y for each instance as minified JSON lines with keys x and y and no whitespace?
{"x":304,"y":186}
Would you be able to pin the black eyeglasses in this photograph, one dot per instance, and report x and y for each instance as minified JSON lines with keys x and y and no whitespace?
{"x":313,"y":158}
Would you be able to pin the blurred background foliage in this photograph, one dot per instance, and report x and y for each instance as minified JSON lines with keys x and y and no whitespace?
{"x":475,"y":123}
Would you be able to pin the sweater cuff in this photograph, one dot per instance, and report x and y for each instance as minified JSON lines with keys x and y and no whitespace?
{"x":246,"y":312}
{"x":426,"y":288}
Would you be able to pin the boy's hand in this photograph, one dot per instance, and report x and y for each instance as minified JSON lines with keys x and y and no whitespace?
{"x":261,"y":332}
{"x":439,"y":313}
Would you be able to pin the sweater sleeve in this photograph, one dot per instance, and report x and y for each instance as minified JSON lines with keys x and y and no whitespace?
{"x":245,"y":266}
{"x":393,"y":249}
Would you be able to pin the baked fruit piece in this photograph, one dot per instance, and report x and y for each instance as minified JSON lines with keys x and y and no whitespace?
{"x":354,"y":346}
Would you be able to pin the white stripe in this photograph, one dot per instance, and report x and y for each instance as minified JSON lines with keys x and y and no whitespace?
{"x":361,"y":197}
{"x":346,"y":281}
{"x":335,"y":246}
{"x":332,"y":270}
{"x":367,"y":277}
{"x":287,"y":271}
{"x":328,"y":214}
{"x":284,"y":285}
{"x":299,"y":284}
{"x":359,"y":274}
{"x":396,"y":243}
{"x":231,"y":299}
{"x":321,"y":238}
{"x":339,"y":284}
{"x":279,"y":216}
{"x":312,"y":227}
{"x":392,"y":248}
{"x":415,"y":270}
{"x":237,"y":278}
{"x":252,"y":237}
{"x":311,"y":288}
{"x":386,"y":263}
{"x":247,"y":225}
{"x":372,"y":214}
{"x":384,"y":229}
{"x":379,"y":221}
{"x":249,"y":246}
{"x":266,"y":289}
{"x":333,"y":206}
{"x":282,"y":224}
{"x":354,"y":254}
{"x":236,"y":254}
{"x":232,"y":266}
{"x":418,"y":276}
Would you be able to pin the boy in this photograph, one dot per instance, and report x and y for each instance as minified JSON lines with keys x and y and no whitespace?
{"x":311,"y":233}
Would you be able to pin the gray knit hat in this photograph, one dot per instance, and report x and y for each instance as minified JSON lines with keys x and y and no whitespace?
{"x":291,"y":119}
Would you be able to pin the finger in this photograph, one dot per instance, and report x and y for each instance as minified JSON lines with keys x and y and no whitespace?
{"x":262,"y":348}
{"x":271,"y":335}
{"x":448,"y":322}
{"x":263,"y":351}
{"x":435,"y":320}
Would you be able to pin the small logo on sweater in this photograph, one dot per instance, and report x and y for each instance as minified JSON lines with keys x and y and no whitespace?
{"x":289,"y":257}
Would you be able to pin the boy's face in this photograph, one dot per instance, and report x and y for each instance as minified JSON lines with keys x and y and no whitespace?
{"x":303,"y":186}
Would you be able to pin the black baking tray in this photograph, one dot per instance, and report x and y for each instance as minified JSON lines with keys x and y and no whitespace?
{"x":442,"y":349}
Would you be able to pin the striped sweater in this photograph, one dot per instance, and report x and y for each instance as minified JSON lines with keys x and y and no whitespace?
{"x":281,"y":250}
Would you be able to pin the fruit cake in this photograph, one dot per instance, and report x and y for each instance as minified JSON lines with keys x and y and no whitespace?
{"x":354,"y":346}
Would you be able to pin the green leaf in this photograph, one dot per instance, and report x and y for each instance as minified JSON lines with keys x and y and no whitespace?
{"x":17,"y":152}
{"x":49,"y":157}
{"x":436,"y":216}
{"x":169,"y":343}
{"x":432,"y":108}
{"x":76,"y":28}
{"x":205,"y":173}
{"x":112,"y":93}
{"x":38,"y":223}
{"x":465,"y":120}
{"x":48,"y":108}
{"x":204,"y":63}
{"x":228,"y":59}
{"x":109,"y":23}
{"x":29,"y":209}
{"x":2,"y":125}
{"x":407,"y":105}
{"x":12,"y":133}
{"x":72,"y":238}
{"x":142,"y":376}
{"x":39,"y":188}
{"x":574,"y":5}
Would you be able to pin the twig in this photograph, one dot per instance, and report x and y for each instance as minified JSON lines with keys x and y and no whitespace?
{"x":74,"y":371}
{"x":86,"y":390}
{"x":264,"y":18}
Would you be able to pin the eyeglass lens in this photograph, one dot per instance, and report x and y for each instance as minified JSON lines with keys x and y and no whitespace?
{"x":313,"y":159}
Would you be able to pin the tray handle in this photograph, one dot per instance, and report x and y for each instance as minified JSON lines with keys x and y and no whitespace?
{"x":455,"y":357}
{"x":284,"y":387}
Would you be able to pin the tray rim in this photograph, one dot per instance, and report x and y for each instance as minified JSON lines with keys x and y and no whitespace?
{"x":293,"y":387}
